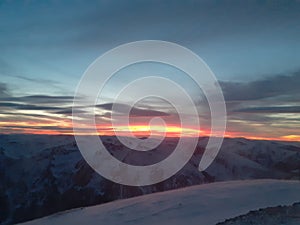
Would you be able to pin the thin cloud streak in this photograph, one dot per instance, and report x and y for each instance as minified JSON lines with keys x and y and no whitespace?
{"x":252,"y":111}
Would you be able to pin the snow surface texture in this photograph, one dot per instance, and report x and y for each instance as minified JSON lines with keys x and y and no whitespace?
{"x":204,"y":204}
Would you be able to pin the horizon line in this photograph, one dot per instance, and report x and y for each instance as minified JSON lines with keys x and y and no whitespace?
{"x":282,"y":139}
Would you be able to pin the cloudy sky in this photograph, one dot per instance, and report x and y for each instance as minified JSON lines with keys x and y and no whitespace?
{"x":253,"y":48}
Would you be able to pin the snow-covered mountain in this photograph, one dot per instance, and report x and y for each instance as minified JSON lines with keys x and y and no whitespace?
{"x":41,"y":175}
{"x":202,"y":204}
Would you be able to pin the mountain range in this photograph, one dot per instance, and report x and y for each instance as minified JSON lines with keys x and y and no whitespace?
{"x":43,"y":174}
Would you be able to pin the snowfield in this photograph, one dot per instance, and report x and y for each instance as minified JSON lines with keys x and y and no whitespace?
{"x":205,"y":204}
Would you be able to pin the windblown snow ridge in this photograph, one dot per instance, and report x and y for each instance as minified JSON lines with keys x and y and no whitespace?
{"x":203,"y":204}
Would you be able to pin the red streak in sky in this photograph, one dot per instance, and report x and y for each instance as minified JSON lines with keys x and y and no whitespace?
{"x":139,"y":130}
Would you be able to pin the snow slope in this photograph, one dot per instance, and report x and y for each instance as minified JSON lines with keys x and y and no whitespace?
{"x":205,"y":204}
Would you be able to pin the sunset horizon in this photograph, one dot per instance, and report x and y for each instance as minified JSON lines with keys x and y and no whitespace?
{"x":257,"y":69}
{"x":149,"y":112}
{"x":145,"y":134}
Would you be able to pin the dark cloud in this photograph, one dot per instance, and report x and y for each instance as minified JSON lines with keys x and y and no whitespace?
{"x":260,"y":89}
{"x":69,"y":111}
{"x":39,"y":99}
{"x":3,"y":91}
{"x":278,"y":109}
{"x":54,"y":128}
{"x":258,"y":107}
{"x":36,"y":80}
{"x":134,"y":111}
{"x":33,"y":102}
{"x":26,"y":106}
{"x":48,"y":99}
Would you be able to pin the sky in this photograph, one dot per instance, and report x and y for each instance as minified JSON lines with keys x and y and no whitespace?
{"x":252,"y":47}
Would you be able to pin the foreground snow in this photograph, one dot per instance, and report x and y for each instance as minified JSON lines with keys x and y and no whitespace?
{"x":203,"y":204}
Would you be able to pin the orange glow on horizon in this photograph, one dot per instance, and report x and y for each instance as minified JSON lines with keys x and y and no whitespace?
{"x":139,"y":130}
{"x":291,"y":137}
